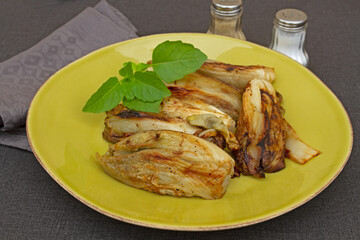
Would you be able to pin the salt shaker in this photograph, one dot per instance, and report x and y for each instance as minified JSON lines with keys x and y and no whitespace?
{"x":226,"y":18}
{"x":289,"y":34}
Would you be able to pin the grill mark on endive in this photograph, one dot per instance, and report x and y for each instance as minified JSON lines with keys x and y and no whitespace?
{"x":218,"y":66}
{"x":135,"y":114}
{"x":180,"y":93}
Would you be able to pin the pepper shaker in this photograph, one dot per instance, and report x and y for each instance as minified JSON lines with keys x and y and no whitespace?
{"x":226,"y":18}
{"x":289,"y":34}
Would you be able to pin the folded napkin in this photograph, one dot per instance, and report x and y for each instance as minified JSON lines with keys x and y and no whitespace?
{"x":22,"y":75}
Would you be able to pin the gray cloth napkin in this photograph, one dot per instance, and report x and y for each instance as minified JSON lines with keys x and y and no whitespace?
{"x":22,"y":75}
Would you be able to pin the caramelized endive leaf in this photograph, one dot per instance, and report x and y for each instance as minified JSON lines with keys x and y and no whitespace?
{"x":209,"y":90}
{"x":210,"y":121}
{"x":236,"y":75}
{"x":260,"y":131}
{"x":170,"y":162}
{"x":296,"y":149}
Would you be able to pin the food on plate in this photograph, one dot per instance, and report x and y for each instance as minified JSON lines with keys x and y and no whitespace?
{"x":208,"y":90}
{"x":296,"y":149}
{"x":260,"y":131}
{"x":121,"y":122}
{"x":170,"y":162}
{"x":236,"y":75}
{"x":265,"y":137}
{"x":188,"y":126}
{"x":173,"y":115}
{"x":214,"y":124}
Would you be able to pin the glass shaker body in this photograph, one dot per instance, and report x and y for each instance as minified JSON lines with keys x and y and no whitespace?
{"x":226,"y":16}
{"x":290,"y":44}
{"x":289,"y":34}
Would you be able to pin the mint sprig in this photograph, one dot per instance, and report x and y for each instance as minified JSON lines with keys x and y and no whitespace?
{"x":173,"y":60}
{"x":143,"y":90}
{"x":106,"y":97}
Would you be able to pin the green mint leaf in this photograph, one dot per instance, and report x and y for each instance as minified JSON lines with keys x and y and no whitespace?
{"x":138,"y":105}
{"x":172,"y":60}
{"x":144,"y":90}
{"x":149,"y":87}
{"x":105,"y":98}
{"x":141,"y":67}
{"x":128,"y":70}
{"x":127,"y":88}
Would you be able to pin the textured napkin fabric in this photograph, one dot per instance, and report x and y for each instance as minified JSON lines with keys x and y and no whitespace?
{"x":22,"y":75}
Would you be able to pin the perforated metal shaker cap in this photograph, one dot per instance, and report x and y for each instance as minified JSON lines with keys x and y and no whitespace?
{"x":291,"y":19}
{"x":226,"y":7}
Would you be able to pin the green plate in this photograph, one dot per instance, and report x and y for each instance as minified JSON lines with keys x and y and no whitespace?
{"x":65,"y":140}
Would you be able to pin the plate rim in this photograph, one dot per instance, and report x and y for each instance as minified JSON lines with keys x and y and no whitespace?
{"x":214,"y":227}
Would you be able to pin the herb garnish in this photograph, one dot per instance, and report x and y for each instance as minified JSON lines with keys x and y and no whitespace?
{"x":143,"y":90}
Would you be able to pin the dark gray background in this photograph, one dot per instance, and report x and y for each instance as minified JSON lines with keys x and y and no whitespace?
{"x":33,"y":206}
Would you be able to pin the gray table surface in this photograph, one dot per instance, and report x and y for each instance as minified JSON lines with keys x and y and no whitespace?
{"x":34,"y":206}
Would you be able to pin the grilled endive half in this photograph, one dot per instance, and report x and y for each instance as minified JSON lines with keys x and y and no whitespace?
{"x":260,"y":131}
{"x":173,"y":115}
{"x":170,"y":162}
{"x":236,"y":75}
{"x":265,"y":137}
{"x":209,"y":90}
